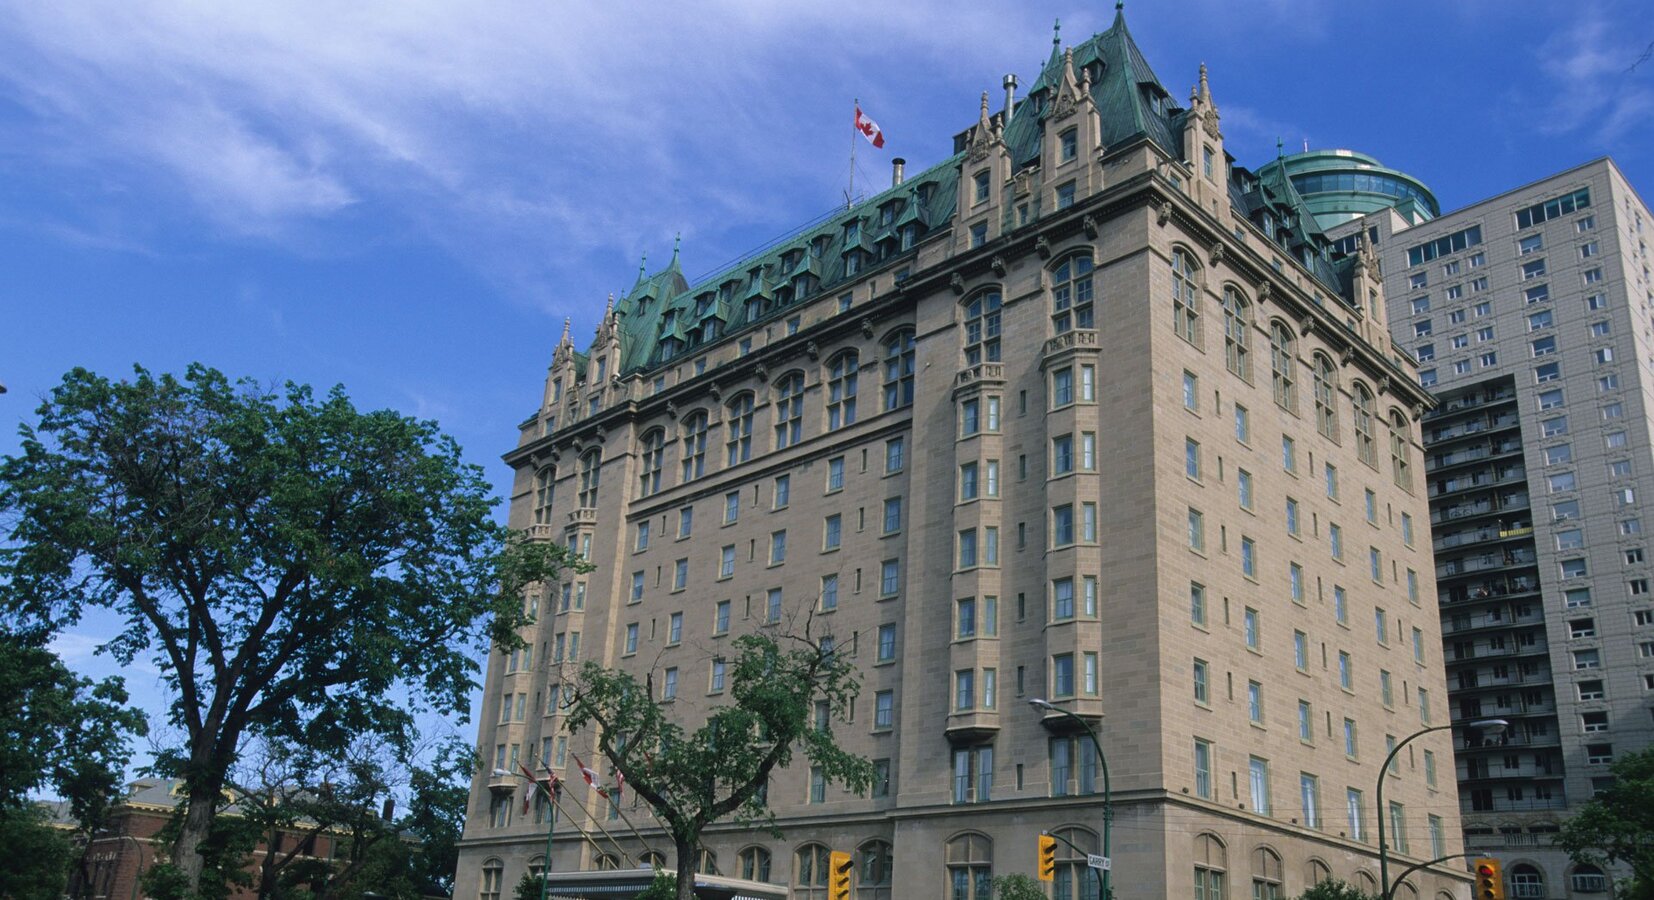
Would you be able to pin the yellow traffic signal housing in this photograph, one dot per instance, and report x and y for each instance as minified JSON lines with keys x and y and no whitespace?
{"x":839,"y":867}
{"x":1047,"y":858}
{"x":1490,"y":879}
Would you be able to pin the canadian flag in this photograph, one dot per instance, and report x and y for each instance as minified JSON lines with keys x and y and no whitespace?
{"x":869,"y":128}
{"x":591,"y":775}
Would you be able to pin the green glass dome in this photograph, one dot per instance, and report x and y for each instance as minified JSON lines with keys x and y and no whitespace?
{"x":1341,"y":185}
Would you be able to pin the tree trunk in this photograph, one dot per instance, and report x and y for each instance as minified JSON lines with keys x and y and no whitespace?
{"x":687,"y":850}
{"x":198,"y":818}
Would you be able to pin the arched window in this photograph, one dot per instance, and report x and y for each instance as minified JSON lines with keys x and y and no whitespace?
{"x":789,"y":410}
{"x":1318,"y":872}
{"x":873,"y":860}
{"x":754,"y":863}
{"x":982,"y":328}
{"x":898,"y":370}
{"x":1266,"y":874}
{"x":970,"y":867}
{"x":1071,"y":295}
{"x":652,"y":860}
{"x":810,"y":870}
{"x":1365,"y":882}
{"x":493,"y":875}
{"x":1211,"y":867}
{"x":1237,"y":329}
{"x":591,"y":469}
{"x":1326,"y":397}
{"x":739,"y":416}
{"x":545,"y":491}
{"x":1365,"y":447}
{"x":536,"y":866}
{"x":694,"y":446}
{"x":841,"y":389}
{"x":1185,"y":297}
{"x":607,"y":862}
{"x":707,"y":863}
{"x":1283,"y":367}
{"x":654,"y":454}
{"x":1588,"y":879}
{"x":1526,"y":882}
{"x":1075,"y":880}
{"x":1401,"y":456}
{"x":1404,"y":891}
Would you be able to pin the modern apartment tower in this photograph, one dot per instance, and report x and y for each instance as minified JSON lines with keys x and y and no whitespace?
{"x":1529,"y":314}
{"x":1084,"y":413}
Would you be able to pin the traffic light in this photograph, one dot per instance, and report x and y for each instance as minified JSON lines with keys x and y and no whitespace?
{"x":839,"y":867}
{"x":1047,"y":858}
{"x":1490,"y":879}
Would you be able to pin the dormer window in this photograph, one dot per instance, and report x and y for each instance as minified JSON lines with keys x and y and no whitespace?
{"x":702,"y":304}
{"x":1068,"y":145}
{"x":980,"y":188}
{"x":852,"y":231}
{"x":910,"y":233}
{"x":602,"y":369}
{"x":752,"y":309}
{"x":852,"y":262}
{"x":1206,"y":163}
{"x":887,"y":214}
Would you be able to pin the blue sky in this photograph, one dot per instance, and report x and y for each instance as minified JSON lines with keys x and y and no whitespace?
{"x":408,"y":197}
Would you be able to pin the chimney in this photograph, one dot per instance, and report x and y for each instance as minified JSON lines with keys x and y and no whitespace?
{"x":1010,"y":96}
{"x":896,"y":171}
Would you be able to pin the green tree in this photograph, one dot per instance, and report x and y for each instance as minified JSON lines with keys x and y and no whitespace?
{"x":1334,"y":889}
{"x":37,"y":855}
{"x":288,"y":561}
{"x":59,"y":733}
{"x":1018,"y":886}
{"x":692,"y":779}
{"x":1617,"y":825}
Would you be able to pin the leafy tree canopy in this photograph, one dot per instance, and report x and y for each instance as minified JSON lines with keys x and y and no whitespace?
{"x":1335,"y":889}
{"x":288,"y":561}
{"x":1617,"y":826}
{"x":693,"y":778}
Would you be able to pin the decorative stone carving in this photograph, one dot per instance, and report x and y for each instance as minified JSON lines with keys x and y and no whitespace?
{"x":716,"y":390}
{"x":1346,"y":356}
{"x":1384,"y":385}
{"x":957,"y":283}
{"x":1164,"y":214}
{"x":602,"y":434}
{"x":866,"y":327}
{"x":1306,"y":325}
{"x":1042,"y":247}
{"x":812,"y":351}
{"x":1089,"y":225}
{"x":1265,"y":292}
{"x":998,"y":265}
{"x":762,"y":372}
{"x":1217,"y":252}
{"x":671,"y":410}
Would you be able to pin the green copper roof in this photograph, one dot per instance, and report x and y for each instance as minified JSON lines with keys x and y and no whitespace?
{"x":664,"y":316}
{"x":1343,"y":185}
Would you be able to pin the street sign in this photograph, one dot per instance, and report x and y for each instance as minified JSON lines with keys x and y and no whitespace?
{"x":1100,"y":863}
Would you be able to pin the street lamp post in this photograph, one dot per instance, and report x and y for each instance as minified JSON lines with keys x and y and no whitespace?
{"x":1385,"y":888}
{"x":551,"y":825}
{"x":1105,"y":888}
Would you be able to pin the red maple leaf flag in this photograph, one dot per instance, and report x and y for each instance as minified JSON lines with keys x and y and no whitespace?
{"x":590,"y":775}
{"x":869,"y":129}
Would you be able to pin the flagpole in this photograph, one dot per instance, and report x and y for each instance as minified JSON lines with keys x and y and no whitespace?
{"x":599,"y":823}
{"x":849,"y":195}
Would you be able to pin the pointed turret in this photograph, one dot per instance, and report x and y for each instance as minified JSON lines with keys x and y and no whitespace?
{"x":1203,"y":149}
{"x":560,"y":374}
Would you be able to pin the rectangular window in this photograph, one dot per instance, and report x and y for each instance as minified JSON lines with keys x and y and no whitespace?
{"x":1203,"y":769}
{"x":889,"y":580}
{"x":720,"y":618}
{"x":1202,"y":684}
{"x":1062,"y":675}
{"x":1191,"y":392}
{"x":1243,"y":427}
{"x":832,"y":532}
{"x":892,"y":515}
{"x":1197,"y":604}
{"x":1249,"y":557}
{"x":887,"y":642}
{"x":1258,"y":781}
{"x":1352,"y":807}
{"x":1197,"y":530}
{"x":1289,"y":454}
{"x":783,"y":491}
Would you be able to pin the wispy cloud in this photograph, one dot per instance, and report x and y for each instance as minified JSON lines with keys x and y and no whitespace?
{"x":1597,"y":87}
{"x":522,"y":140}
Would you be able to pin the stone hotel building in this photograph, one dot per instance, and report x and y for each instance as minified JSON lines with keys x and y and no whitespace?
{"x":1085,"y":412}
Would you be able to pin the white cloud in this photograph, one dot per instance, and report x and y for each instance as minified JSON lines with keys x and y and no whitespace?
{"x":525,"y":139}
{"x":1596,"y":90}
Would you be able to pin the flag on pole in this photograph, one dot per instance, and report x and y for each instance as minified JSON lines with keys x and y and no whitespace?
{"x":869,"y":128}
{"x":620,"y":782}
{"x":591,"y":776}
{"x":531,"y":782}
